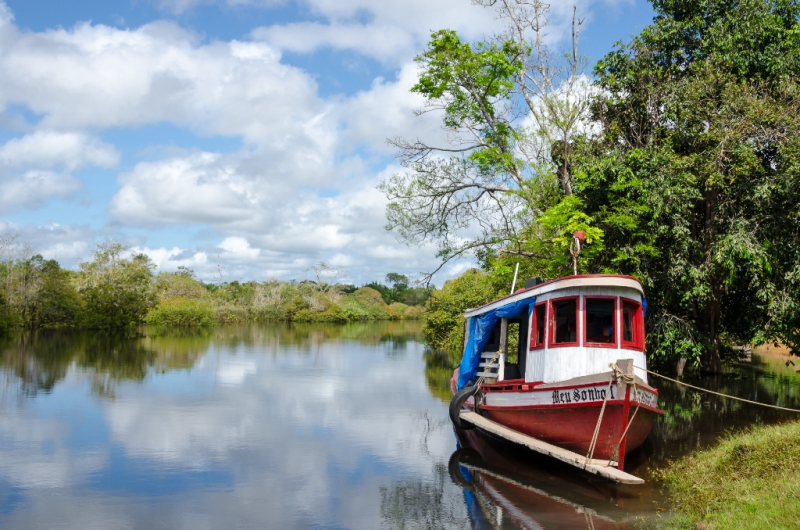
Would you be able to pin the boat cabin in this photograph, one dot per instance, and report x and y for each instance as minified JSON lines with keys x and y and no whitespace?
{"x":570,"y":327}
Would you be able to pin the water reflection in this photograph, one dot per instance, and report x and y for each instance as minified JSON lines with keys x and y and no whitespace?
{"x":250,"y":426}
{"x":285,"y":426}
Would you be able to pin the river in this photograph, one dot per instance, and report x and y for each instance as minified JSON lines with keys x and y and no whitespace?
{"x":302,"y":426}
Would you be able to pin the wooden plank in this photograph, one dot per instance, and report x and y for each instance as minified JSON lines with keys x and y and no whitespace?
{"x":559,"y":453}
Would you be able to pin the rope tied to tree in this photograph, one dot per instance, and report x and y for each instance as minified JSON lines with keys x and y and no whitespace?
{"x":716,"y":393}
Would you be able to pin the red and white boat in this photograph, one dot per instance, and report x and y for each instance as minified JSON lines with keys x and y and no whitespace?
{"x":581,"y":355}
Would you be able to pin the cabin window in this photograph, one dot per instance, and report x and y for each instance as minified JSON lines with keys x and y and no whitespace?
{"x":599,"y":321}
{"x":632,"y":332}
{"x":537,"y":326}
{"x":564,"y":322}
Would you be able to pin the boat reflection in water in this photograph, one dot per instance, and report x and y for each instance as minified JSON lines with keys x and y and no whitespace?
{"x":510,"y":487}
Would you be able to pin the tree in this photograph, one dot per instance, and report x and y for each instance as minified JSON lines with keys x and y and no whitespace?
{"x":117,"y":290}
{"x":695,"y":179}
{"x":57,"y":302}
{"x":511,"y":108}
{"x":399,"y":282}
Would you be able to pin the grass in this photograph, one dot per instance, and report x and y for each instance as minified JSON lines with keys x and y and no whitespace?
{"x":751,"y":480}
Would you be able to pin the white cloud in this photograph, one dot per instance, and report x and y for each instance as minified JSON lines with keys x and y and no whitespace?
{"x":51,"y":148}
{"x":32,"y":188}
{"x":238,"y":248}
{"x":98,"y":76}
{"x":301,"y":187}
{"x":37,"y":166}
{"x":386,"y":43}
{"x":168,"y":260}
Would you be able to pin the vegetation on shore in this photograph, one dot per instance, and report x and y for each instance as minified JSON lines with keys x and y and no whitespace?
{"x":680,"y":161}
{"x":117,"y":291}
{"x":751,"y":479}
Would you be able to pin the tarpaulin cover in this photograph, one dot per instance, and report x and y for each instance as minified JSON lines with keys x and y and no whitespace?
{"x":480,"y":330}
{"x":644,"y":307}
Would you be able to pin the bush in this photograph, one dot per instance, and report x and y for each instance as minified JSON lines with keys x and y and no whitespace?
{"x":117,"y":291}
{"x":365,"y":304}
{"x":181,"y":312}
{"x":444,"y":326}
{"x":333,"y":313}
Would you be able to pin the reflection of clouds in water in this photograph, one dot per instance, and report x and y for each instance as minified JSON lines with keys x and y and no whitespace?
{"x":306,"y":438}
{"x":233,"y":373}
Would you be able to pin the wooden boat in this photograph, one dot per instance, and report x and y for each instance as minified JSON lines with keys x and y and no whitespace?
{"x":579,"y":382}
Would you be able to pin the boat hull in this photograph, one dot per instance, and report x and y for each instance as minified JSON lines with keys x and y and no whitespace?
{"x":573,"y":427}
{"x":566,"y":414}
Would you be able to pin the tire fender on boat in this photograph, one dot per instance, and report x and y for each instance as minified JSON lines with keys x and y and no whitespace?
{"x":457,"y":403}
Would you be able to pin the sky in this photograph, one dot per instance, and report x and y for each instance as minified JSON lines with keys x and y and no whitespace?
{"x":242,"y":136}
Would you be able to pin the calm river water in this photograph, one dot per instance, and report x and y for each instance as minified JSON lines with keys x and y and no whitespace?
{"x":281,"y":426}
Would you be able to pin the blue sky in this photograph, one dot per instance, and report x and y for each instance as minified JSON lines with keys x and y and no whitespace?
{"x":245,"y":133}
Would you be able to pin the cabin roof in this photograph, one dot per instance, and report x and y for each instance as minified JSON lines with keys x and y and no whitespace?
{"x":565,"y":282}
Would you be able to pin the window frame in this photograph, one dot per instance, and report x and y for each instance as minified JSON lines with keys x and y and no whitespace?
{"x":551,"y":320}
{"x":584,"y":339}
{"x":533,"y":328}
{"x":637,"y":324}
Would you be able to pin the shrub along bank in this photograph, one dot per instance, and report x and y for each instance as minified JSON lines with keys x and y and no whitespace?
{"x":118,"y":292}
{"x":750,"y":480}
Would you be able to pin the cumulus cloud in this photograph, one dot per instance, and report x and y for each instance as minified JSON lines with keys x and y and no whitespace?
{"x":38,"y":166}
{"x":52,"y":148}
{"x":299,"y":189}
{"x":32,"y":188}
{"x":98,"y":76}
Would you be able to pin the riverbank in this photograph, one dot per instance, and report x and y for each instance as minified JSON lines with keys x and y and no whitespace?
{"x":751,"y":480}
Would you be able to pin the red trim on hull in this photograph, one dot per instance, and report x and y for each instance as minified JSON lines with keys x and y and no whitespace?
{"x":596,"y":404}
{"x":532,"y":387}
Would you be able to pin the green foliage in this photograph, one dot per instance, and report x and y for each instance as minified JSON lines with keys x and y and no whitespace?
{"x":117,"y":291}
{"x":57,"y":302}
{"x":400,"y":290}
{"x":365,"y":304}
{"x":179,"y":285}
{"x":333,"y":314}
{"x":695,"y":181}
{"x":181,"y":312}
{"x":750,"y":480}
{"x":473,"y":80}
{"x":444,"y":322}
{"x":486,"y":192}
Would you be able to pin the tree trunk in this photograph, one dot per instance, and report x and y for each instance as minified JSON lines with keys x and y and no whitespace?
{"x":710,"y":360}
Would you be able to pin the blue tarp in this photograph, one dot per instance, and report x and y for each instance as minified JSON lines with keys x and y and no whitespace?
{"x":480,"y":330}
{"x":644,"y":306}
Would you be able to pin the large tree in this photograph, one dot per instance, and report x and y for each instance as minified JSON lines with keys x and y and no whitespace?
{"x":510,"y":107}
{"x":695,"y":180}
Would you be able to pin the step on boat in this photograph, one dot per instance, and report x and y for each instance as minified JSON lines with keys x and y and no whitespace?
{"x":579,"y":382}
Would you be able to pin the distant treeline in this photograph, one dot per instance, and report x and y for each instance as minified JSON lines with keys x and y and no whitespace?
{"x":116,"y":291}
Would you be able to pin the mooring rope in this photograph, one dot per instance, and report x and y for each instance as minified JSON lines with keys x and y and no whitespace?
{"x":716,"y":393}
{"x":590,"y":454}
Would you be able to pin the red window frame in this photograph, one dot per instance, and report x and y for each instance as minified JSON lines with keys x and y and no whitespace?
{"x":534,"y":344}
{"x":551,"y":317}
{"x":637,"y":324}
{"x":615,"y":323}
